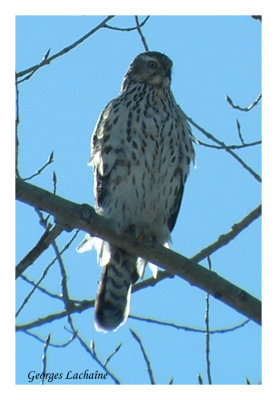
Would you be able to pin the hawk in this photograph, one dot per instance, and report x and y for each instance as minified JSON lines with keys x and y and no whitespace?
{"x":141,"y":151}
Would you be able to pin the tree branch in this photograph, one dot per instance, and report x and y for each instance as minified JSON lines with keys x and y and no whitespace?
{"x":44,"y":358}
{"x":72,"y":215}
{"x":145,"y":356}
{"x":225,"y":238}
{"x":188,"y":328}
{"x":92,"y":353}
{"x":141,"y":34}
{"x":221,"y":241}
{"x":116,"y":28}
{"x":231,"y":146}
{"x":45,"y":165}
{"x":44,"y":242}
{"x":47,"y":60}
{"x":223,"y":145}
{"x":54,"y":317}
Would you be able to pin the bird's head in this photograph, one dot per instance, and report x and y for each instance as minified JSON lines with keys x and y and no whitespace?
{"x":151,"y":68}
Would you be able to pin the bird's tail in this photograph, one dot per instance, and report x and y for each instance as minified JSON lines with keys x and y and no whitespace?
{"x":113,"y":297}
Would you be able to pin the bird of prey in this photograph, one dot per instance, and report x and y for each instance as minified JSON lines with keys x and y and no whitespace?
{"x":141,"y":150}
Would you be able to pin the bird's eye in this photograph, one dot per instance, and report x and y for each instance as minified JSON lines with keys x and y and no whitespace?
{"x":152,"y":64}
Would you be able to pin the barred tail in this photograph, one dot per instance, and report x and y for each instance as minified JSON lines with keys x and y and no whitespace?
{"x":113,"y":298}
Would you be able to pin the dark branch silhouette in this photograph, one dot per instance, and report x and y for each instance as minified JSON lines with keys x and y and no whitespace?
{"x":72,"y":215}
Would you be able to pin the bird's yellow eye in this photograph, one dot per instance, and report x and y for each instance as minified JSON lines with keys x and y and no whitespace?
{"x":152,"y":64}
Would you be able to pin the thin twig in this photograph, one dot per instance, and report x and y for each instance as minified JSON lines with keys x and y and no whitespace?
{"x":200,"y":380}
{"x":225,"y":238}
{"x":47,"y":292}
{"x":189,"y":328}
{"x":239,"y":133}
{"x":48,"y":60}
{"x":44,"y":358}
{"x":27,"y":298}
{"x":42,"y":219}
{"x":44,"y":242}
{"x":112,"y":354}
{"x":141,"y":34}
{"x":40,"y":288}
{"x":65,"y":294}
{"x":93,"y":355}
{"x":43,"y":62}
{"x":115,"y":28}
{"x":16,"y":131}
{"x":39,"y":171}
{"x":25,"y":301}
{"x":54,"y":182}
{"x":85,"y":305}
{"x":80,"y":306}
{"x":207,"y":322}
{"x":231,"y":147}
{"x":222,"y":144}
{"x":236,"y":107}
{"x":145,"y":356}
{"x":57,"y":345}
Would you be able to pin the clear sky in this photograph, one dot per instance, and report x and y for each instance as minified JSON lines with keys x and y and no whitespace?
{"x":59,"y":106}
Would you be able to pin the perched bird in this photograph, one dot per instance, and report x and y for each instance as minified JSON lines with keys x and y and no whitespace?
{"x":141,"y":151}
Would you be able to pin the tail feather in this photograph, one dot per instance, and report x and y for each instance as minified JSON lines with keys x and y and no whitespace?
{"x":113,"y":298}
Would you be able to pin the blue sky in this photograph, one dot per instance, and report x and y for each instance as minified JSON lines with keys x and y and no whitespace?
{"x":59,"y":106}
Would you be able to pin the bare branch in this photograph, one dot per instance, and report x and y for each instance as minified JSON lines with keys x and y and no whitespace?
{"x":16,"y":130}
{"x":231,"y":146}
{"x":141,"y":34}
{"x":27,"y":298}
{"x":40,"y":288}
{"x":207,"y":322}
{"x":44,"y":358}
{"x":57,"y":345}
{"x":93,"y":355}
{"x":222,"y":144}
{"x":188,"y":328}
{"x":54,"y":317}
{"x":112,"y":354}
{"x":145,"y":356}
{"x":47,"y":292}
{"x":236,"y":107}
{"x":65,"y":294}
{"x":86,"y":304}
{"x":48,"y":60}
{"x":54,"y":182}
{"x":44,"y":242}
{"x":115,"y":28}
{"x":222,"y":240}
{"x":200,"y":380}
{"x":239,"y":132}
{"x":225,"y":238}
{"x":43,"y":62}
{"x":72,"y":215}
{"x":45,"y":272}
{"x":39,"y":171}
